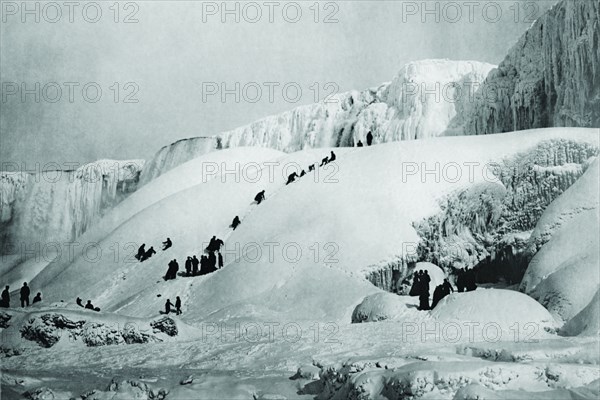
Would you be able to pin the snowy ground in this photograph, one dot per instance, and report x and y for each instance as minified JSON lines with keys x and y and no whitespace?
{"x":279,"y":324}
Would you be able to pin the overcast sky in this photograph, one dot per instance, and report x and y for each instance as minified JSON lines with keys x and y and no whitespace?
{"x":167,"y":60}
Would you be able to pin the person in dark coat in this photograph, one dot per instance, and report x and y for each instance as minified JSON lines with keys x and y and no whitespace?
{"x":447,"y":287}
{"x":167,"y":243}
{"x":438,"y":294}
{"x":369,"y":138}
{"x":212,"y":244}
{"x":359,"y":144}
{"x":291,"y":178}
{"x":6,"y":297}
{"x":79,"y":302}
{"x":424,"y":291}
{"x":168,"y":306}
{"x":415,"y":288}
{"x":218,"y":244}
{"x":25,"y":295}
{"x":148,"y":254}
{"x":178,"y":306}
{"x":469,"y":280}
{"x":220,"y":260}
{"x":260,"y":196}
{"x":311,"y":167}
{"x":37,"y":298}
{"x":212,"y":262}
{"x":188,"y":266}
{"x":141,"y":251}
{"x":302,"y":173}
{"x":236,"y":221}
{"x":332,"y":157}
{"x":89,"y":305}
{"x":195,"y":263}
{"x":324,"y":161}
{"x":460,"y":280}
{"x":203,"y":265}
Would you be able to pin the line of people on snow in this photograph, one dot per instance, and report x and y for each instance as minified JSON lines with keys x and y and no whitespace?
{"x":143,"y":254}
{"x":293,"y":176}
{"x":208,"y":262}
{"x":465,"y":280}
{"x":23,"y":296}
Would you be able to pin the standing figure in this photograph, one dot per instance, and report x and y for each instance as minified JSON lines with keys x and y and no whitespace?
{"x":168,"y":306}
{"x":25,"y":295}
{"x":188,"y":266}
{"x":195,"y":263}
{"x":178,"y":306}
{"x":369,"y":138}
{"x":5,"y":302}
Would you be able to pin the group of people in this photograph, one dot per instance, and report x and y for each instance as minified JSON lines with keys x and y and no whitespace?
{"x":169,"y":305}
{"x":209,"y":262}
{"x":292,"y":177}
{"x":369,"y":140}
{"x":88,"y":305}
{"x":420,"y":287}
{"x":465,"y":281}
{"x":24,"y":296}
{"x":143,"y":254}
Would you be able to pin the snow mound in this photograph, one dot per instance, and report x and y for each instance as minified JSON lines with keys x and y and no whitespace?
{"x":586,"y":322}
{"x":479,"y":392}
{"x":382,"y":306}
{"x":505,"y":309}
{"x":563,"y":275}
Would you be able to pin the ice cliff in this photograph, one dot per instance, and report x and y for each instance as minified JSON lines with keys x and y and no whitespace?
{"x":425,"y":99}
{"x":550,"y":77}
{"x":46,"y":207}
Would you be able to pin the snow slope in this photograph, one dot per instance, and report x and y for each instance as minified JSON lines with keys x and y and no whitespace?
{"x":563,"y":275}
{"x":373,"y":225}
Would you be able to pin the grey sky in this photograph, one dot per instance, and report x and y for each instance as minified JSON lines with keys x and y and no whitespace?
{"x":170,"y":52}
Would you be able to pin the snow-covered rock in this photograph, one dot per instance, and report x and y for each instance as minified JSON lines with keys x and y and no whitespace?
{"x":383,"y":306}
{"x":549,"y":77}
{"x":586,"y":322}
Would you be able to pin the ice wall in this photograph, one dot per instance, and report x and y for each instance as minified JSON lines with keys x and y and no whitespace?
{"x":175,"y":154}
{"x":550,"y":77}
{"x":58,"y":206}
{"x":426,"y":99}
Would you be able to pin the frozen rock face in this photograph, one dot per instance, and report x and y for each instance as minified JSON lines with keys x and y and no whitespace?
{"x":550,"y":77}
{"x":426,"y":99}
{"x":175,"y":154}
{"x":38,"y":209}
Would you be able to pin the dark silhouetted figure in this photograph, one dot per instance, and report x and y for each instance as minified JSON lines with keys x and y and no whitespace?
{"x":291,"y":178}
{"x":37,"y":298}
{"x":168,"y":306}
{"x":172,"y":271}
{"x":141,"y":251}
{"x":236,"y":221}
{"x":302,"y":173}
{"x":469,"y":279}
{"x":460,"y":280}
{"x":148,"y":254}
{"x":178,"y":306}
{"x":447,"y":287}
{"x":311,"y":167}
{"x":195,"y":263}
{"x":218,"y":244}
{"x":415,"y":288}
{"x":437,"y":295}
{"x":188,"y":266}
{"x":332,"y":157}
{"x":220,"y":259}
{"x":260,"y":196}
{"x":167,"y":243}
{"x":89,"y":305}
{"x":324,"y":161}
{"x":5,"y":297}
{"x":203,"y":265}
{"x":369,"y":138}
{"x":212,"y":262}
{"x":79,"y":302}
{"x":25,"y":295}
{"x":424,"y":291}
{"x":359,"y":144}
{"x":212,"y":244}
